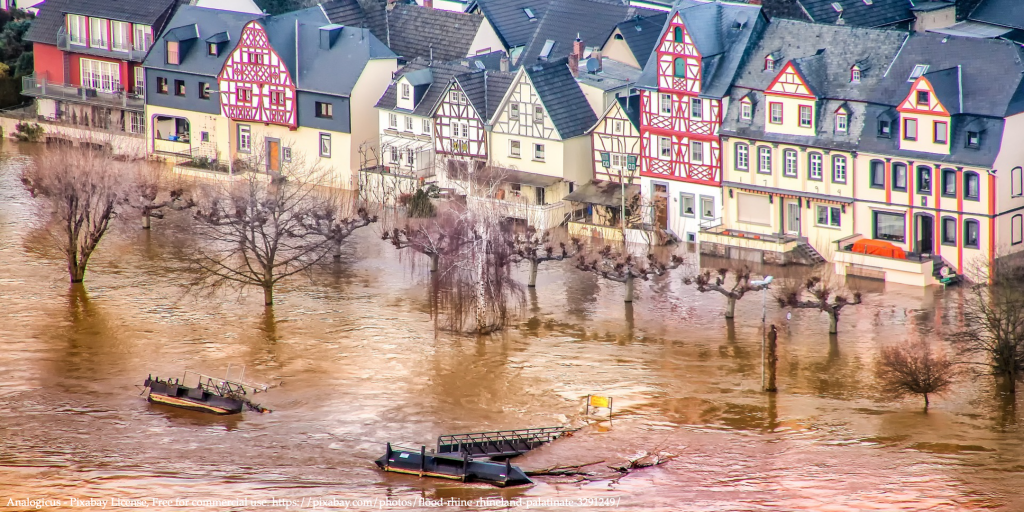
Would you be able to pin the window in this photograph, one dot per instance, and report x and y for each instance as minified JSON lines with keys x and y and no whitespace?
{"x":204,"y":90}
{"x":877,"y":174}
{"x":940,"y":132}
{"x":948,"y":231}
{"x":679,"y":67}
{"x":890,"y":226}
{"x":910,"y":129}
{"x":707,"y":207}
{"x":513,"y":149}
{"x":76,"y":29}
{"x":538,"y":151}
{"x":325,"y":147}
{"x":277,"y":98}
{"x":805,"y":116}
{"x":769,"y":63}
{"x":465,"y":129}
{"x":922,"y":98}
{"x":119,"y":31}
{"x":948,"y":183}
{"x":775,"y":113}
{"x":173,"y":57}
{"x":98,"y":33}
{"x":764,"y":160}
{"x":686,"y":202}
{"x":884,"y":128}
{"x":696,"y":152}
{"x":538,"y":115}
{"x":696,"y":109}
{"x":513,"y":113}
{"x":205,"y":137}
{"x":742,"y":157}
{"x":427,"y":127}
{"x":1016,"y":182}
{"x":161,"y":85}
{"x":286,"y":154}
{"x":899,"y":176}
{"x":746,"y":110}
{"x":395,"y":156}
{"x":212,"y":49}
{"x":179,"y":87}
{"x":617,"y":127}
{"x":839,"y":169}
{"x":972,"y":186}
{"x":142,"y":38}
{"x":677,"y":34}
{"x":244,"y":138}
{"x":753,"y":209}
{"x":924,"y":179}
{"x":815,"y":166}
{"x":841,"y":120}
{"x":855,"y":75}
{"x":828,"y":216}
{"x":540,"y":195}
{"x":1016,"y":229}
{"x":101,"y":75}
{"x":244,"y":95}
{"x":406,"y":94}
{"x":789,"y":163}
{"x":324,"y":110}
{"x":412,"y":156}
{"x":973,"y":139}
{"x":972,"y":232}
{"x":666,"y":147}
{"x":137,"y":122}
{"x":393,"y":120}
{"x":408,"y":123}
{"x":666,"y":103}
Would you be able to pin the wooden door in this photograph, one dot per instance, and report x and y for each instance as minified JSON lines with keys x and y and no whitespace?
{"x":274,"y":155}
{"x":793,"y":218}
{"x":661,"y":205}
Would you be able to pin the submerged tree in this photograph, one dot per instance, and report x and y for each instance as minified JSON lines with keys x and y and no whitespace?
{"x":265,"y":228}
{"x":83,"y":189}
{"x":442,"y":235}
{"x":153,"y":191}
{"x":705,"y":282}
{"x":992,"y":331}
{"x":913,"y":368}
{"x":536,"y":248}
{"x":810,"y":288}
{"x":625,"y":268}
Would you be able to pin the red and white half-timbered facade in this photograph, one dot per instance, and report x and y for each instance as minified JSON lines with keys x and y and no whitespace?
{"x":255,"y":84}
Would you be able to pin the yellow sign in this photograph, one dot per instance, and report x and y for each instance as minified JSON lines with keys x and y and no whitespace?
{"x":599,"y":401}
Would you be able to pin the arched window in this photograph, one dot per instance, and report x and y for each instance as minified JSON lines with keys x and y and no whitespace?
{"x":1016,"y":229}
{"x":972,"y":234}
{"x":877,"y":174}
{"x":742,"y":157}
{"x":839,"y":169}
{"x":972,"y":186}
{"x":789,"y":163}
{"x":679,"y":67}
{"x":924,"y":179}
{"x":1016,"y":182}
{"x":814,"y":166}
{"x":677,"y":34}
{"x":948,"y":231}
{"x":618,"y":37}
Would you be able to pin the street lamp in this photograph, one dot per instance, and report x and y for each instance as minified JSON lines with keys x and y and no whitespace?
{"x":764,"y":309}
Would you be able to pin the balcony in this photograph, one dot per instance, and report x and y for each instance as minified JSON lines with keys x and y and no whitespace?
{"x":40,"y":88}
{"x":716,"y":239}
{"x":131,"y":54}
{"x":914,"y":269}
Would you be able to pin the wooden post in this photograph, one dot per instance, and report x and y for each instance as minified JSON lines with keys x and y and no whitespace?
{"x":387,"y":456}
{"x":610,"y":401}
{"x":588,"y":406}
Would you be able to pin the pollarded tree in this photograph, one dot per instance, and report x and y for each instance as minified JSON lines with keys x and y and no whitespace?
{"x":625,"y":268}
{"x":536,"y":248}
{"x":811,"y":288}
{"x":154,"y":190}
{"x":83,"y":190}
{"x":441,"y":235}
{"x":914,"y":368}
{"x":705,"y":282}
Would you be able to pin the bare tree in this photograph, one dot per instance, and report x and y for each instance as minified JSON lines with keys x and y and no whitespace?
{"x":816,"y":288}
{"x":83,"y":188}
{"x":537,"y":247}
{"x":705,"y":282}
{"x":265,"y":228}
{"x":153,"y":191}
{"x":442,"y":235}
{"x":625,"y":268}
{"x":913,"y":368}
{"x":992,"y":331}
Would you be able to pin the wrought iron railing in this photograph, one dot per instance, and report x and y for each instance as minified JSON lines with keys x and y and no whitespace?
{"x":500,"y":442}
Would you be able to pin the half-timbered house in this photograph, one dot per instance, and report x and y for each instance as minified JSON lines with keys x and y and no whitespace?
{"x":790,"y":138}
{"x":257,"y":90}
{"x":682,"y":96}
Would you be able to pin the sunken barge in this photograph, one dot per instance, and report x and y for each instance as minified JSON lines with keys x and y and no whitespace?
{"x":451,"y":466}
{"x":209,"y":394}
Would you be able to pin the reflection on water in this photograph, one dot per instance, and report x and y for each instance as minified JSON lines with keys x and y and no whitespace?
{"x":358,"y":361}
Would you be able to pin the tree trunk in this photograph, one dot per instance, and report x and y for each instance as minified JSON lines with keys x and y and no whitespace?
{"x":337,"y":250}
{"x":730,"y":307}
{"x":268,"y":295}
{"x":76,"y":270}
{"x":433,"y":262}
{"x":145,"y":221}
{"x":533,"y":273}
{"x":629,"y":288}
{"x":926,"y":402}
{"x":772,"y":363}
{"x":833,"y":322}
{"x":481,"y":287}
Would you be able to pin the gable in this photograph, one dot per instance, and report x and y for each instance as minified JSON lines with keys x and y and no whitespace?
{"x":910,"y":104}
{"x":254,"y":66}
{"x":789,"y":82}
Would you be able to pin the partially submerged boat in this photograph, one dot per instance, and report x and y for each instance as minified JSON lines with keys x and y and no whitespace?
{"x":452,"y":467}
{"x":208,"y":394}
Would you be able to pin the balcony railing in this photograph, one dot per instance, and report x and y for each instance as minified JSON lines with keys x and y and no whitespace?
{"x":41,"y":88}
{"x":132,"y":53}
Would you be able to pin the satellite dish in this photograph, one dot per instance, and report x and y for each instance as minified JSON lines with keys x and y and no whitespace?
{"x":592,"y":65}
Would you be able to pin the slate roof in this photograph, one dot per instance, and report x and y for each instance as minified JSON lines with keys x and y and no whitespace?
{"x":562,"y":97}
{"x":511,"y":23}
{"x":857,"y":13}
{"x":790,"y":9}
{"x":825,"y":120}
{"x":641,"y":34}
{"x":439,"y":73}
{"x":411,"y":31}
{"x":1005,"y":13}
{"x":613,"y":75}
{"x":485,"y":90}
{"x":991,"y":130}
{"x":208,"y":22}
{"x":50,"y":18}
{"x":631,"y":107}
{"x":722,"y":33}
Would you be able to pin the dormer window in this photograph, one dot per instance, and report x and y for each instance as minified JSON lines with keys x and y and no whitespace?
{"x":76,"y":29}
{"x":746,"y":110}
{"x":173,"y":55}
{"x":855,"y":75}
{"x":406,"y":94}
{"x":922,"y":98}
{"x":884,"y":128}
{"x":973,"y":139}
{"x":769,"y":63}
{"x":212,"y":49}
{"x":98,"y":33}
{"x":841,"y":122}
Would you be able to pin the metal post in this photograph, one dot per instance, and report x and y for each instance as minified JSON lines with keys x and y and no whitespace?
{"x":764,"y":307}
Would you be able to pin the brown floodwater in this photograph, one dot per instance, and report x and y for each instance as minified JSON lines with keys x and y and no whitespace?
{"x":359,"y":362}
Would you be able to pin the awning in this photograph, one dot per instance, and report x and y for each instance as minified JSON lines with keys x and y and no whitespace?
{"x":528,"y":178}
{"x":824,"y":198}
{"x":604,"y":193}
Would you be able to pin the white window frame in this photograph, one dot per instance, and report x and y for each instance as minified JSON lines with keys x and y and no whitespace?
{"x":392,"y":120}
{"x":833,"y":216}
{"x":538,"y":115}
{"x":325,"y":145}
{"x":665,"y":150}
{"x":396,"y":157}
{"x":538,"y":152}
{"x":696,"y":152}
{"x":685,"y":197}
{"x":789,"y":163}
{"x":142,"y":37}
{"x":408,"y":123}
{"x":77,"y":29}
{"x":696,"y":109}
{"x":810,"y":116}
{"x":838,"y":169}
{"x":244,"y":138}
{"x":140,"y":80}
{"x":136,"y":122}
{"x":764,"y":160}
{"x":815,"y":166}
{"x":513,"y":112}
{"x":665,"y":105}
{"x":99,"y":26}
{"x":100,"y":75}
{"x":427,"y":126}
{"x":842,"y":123}
{"x":703,"y":200}
{"x":515,"y":149}
{"x":406,"y":91}
{"x":742,"y":156}
{"x":746,"y":110}
{"x":120,"y":35}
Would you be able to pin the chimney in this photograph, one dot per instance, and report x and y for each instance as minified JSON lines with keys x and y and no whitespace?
{"x":429,"y":4}
{"x":577,"y":47}
{"x":754,"y":2}
{"x":574,"y":57}
{"x":596,"y":54}
{"x":504,"y":63}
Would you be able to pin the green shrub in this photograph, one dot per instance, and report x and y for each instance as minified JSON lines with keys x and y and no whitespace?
{"x":28,"y":132}
{"x":420,"y":205}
